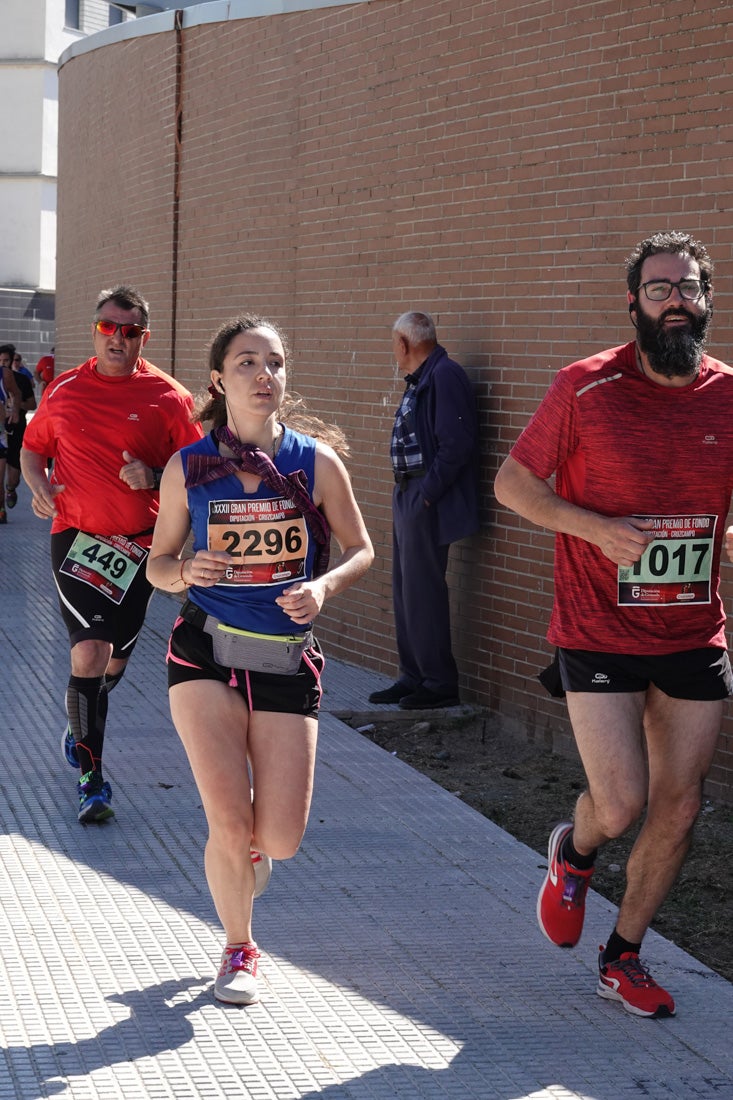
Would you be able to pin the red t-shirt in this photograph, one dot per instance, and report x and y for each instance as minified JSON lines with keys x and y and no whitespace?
{"x":45,"y":368}
{"x":622,"y":445}
{"x":86,"y":420}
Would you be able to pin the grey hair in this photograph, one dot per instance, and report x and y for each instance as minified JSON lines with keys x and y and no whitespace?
{"x":126,"y":297}
{"x":416,"y":328}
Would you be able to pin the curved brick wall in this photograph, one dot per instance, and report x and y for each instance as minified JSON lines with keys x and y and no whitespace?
{"x":491,"y":162}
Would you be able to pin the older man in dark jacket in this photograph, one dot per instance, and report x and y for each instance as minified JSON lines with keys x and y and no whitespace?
{"x":435,"y":503}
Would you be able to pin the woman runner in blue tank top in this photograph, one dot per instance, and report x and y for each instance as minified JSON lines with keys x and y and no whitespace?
{"x":260,"y":500}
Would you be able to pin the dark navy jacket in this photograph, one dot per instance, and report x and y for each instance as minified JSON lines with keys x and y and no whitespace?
{"x":446,"y":426}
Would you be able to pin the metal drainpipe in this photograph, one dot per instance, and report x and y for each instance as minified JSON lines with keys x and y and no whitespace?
{"x":178,"y":26}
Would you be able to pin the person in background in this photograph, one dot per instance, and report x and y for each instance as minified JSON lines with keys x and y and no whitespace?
{"x":434,"y":503}
{"x":20,"y":368}
{"x":45,"y":369}
{"x":109,"y":425}
{"x":10,"y":402}
{"x":244,"y":669}
{"x":640,"y":440}
{"x":15,"y":432}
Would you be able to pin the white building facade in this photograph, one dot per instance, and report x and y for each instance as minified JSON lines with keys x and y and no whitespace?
{"x":33,"y":34}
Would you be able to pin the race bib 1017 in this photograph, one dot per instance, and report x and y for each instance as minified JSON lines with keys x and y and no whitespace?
{"x":676,"y":568}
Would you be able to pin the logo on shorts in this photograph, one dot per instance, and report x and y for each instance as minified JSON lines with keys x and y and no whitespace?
{"x":601,"y":680}
{"x":133,"y":416}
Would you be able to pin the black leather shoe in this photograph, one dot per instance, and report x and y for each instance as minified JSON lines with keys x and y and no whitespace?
{"x":391,"y":694}
{"x":424,"y":699}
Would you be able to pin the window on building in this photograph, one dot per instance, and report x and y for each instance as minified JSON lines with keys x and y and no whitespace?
{"x":115,"y":16}
{"x":71,"y":18}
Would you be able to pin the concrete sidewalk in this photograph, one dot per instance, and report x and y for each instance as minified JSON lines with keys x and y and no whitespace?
{"x":401,"y":952}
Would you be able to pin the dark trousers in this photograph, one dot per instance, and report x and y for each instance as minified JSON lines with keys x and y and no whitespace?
{"x":420,"y":594}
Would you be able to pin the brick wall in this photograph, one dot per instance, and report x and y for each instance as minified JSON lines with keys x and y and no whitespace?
{"x":116,"y":186}
{"x":491,"y":162}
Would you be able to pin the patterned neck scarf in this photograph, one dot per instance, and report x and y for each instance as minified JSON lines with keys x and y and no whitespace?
{"x":201,"y":469}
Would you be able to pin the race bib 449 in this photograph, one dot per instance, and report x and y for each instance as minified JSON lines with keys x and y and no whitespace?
{"x":106,"y":562}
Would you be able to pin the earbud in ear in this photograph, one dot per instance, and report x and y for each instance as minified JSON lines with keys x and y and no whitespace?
{"x":221,"y":386}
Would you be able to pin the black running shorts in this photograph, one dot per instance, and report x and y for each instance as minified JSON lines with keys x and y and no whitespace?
{"x":15,"y":433}
{"x":693,"y":674}
{"x":86,"y":608}
{"x":190,"y":657}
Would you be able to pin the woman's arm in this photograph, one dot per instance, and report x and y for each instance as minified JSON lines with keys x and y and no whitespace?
{"x":334,"y":495}
{"x":165,"y":566}
{"x":167,"y":569}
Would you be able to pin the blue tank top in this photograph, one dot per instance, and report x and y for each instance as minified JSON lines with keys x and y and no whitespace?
{"x":265,"y":534}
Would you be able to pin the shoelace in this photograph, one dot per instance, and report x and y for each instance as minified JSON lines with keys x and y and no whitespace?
{"x":243,"y":957}
{"x":633,"y":970}
{"x":91,"y":784}
{"x":573,"y":888}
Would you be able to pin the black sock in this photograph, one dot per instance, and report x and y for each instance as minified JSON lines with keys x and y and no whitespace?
{"x":575,"y":859}
{"x":83,"y":697}
{"x":616,"y":947}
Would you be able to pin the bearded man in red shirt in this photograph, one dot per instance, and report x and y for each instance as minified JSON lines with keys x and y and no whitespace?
{"x":640,"y":440}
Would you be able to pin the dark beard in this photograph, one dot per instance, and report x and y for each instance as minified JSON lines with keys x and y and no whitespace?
{"x":673,"y":353}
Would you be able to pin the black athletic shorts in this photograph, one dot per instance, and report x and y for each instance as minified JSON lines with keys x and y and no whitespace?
{"x":15,"y":433}
{"x":693,"y":674}
{"x":89,"y":580}
{"x":190,"y":657}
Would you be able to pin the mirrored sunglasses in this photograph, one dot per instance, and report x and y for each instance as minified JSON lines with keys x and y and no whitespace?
{"x":109,"y":328}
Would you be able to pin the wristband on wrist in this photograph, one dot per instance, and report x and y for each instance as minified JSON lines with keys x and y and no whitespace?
{"x":157,"y":472}
{"x":185,"y":582}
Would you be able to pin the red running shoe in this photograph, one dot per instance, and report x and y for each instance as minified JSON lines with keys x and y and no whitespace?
{"x":627,"y":981}
{"x":561,"y":900}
